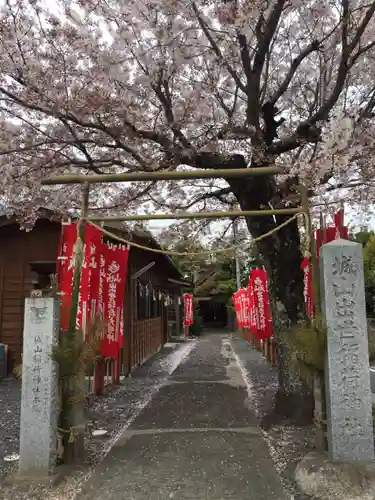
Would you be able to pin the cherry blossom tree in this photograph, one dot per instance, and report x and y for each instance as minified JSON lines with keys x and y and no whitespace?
{"x":99,"y":86}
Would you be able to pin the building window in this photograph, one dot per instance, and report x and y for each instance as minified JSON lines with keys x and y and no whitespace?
{"x":159,"y":303}
{"x":141,"y":301}
{"x":148,"y":302}
{"x":155,"y":304}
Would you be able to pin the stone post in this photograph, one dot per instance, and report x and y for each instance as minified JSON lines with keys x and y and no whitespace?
{"x":348,"y":393}
{"x":39,"y":404}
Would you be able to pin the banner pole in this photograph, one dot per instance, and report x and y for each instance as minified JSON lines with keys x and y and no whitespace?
{"x":81,"y":231}
{"x":311,"y":249}
{"x":318,"y":378}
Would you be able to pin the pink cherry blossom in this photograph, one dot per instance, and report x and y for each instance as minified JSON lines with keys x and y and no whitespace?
{"x":115,"y":86}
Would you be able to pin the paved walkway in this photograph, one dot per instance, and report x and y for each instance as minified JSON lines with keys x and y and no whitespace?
{"x":195,"y":440}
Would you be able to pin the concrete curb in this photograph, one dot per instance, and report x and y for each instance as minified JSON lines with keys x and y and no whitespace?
{"x":318,"y":477}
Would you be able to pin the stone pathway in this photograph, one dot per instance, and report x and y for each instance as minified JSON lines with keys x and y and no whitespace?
{"x":196,"y":439}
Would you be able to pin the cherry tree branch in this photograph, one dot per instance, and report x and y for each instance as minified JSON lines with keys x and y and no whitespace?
{"x":217,"y":50}
{"x":312,"y":47}
{"x":246,"y":62}
{"x":362,"y":27}
{"x":82,"y":147}
{"x":348,"y":185}
{"x":265,"y":38}
{"x":345,"y":64}
{"x":362,"y":51}
{"x":306,"y":131}
{"x":218,"y":194}
{"x":264,"y":41}
{"x":162,"y":90}
{"x":67,"y":117}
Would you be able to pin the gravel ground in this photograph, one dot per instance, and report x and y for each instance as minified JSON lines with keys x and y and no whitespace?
{"x":287,"y":443}
{"x":10,"y":405}
{"x":113,"y":412}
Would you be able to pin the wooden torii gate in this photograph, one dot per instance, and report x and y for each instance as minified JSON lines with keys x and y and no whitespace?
{"x":74,"y":449}
{"x":86,"y":180}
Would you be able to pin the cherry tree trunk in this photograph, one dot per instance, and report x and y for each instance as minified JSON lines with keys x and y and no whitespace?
{"x":294,"y":399}
{"x":282,"y":254}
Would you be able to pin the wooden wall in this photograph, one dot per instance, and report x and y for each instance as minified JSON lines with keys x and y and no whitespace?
{"x":146,"y":335}
{"x":17,"y":250}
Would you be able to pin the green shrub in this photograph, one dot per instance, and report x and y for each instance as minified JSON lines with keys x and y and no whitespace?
{"x":307,"y":345}
{"x":371,"y":346}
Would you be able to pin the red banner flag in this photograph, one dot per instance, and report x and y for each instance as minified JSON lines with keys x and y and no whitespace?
{"x":89,"y":285}
{"x":252,"y":307}
{"x":242,"y":295}
{"x":258,"y":278}
{"x":331,"y":233}
{"x":102,"y":270}
{"x":102,"y":284}
{"x":109,"y":349}
{"x":121,"y":297}
{"x":113,"y":273}
{"x":307,"y":287}
{"x":242,"y":299}
{"x":235,"y":305}
{"x":238,"y":308}
{"x":328,"y":234}
{"x":246,"y":309}
{"x":65,"y":271}
{"x":188,"y":310}
{"x":96,"y":246}
{"x":341,"y":230}
{"x":338,"y":219}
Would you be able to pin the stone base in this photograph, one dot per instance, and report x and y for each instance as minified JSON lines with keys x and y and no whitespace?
{"x":320,"y":478}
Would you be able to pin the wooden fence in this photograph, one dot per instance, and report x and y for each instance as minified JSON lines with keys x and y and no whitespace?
{"x":146,"y":339}
{"x":105,"y":374}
